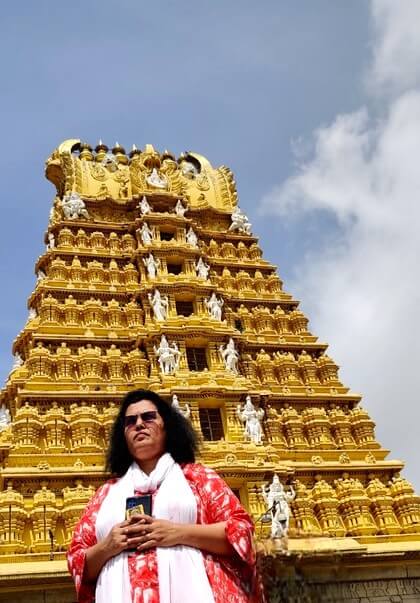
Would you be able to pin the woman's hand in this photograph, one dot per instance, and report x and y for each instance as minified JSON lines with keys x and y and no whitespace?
{"x":117,"y":539}
{"x":145,"y":532}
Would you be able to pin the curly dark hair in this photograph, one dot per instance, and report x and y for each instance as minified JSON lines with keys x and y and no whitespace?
{"x":181,"y":439}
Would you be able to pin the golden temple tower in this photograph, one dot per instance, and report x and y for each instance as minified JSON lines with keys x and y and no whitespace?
{"x":152,"y":278}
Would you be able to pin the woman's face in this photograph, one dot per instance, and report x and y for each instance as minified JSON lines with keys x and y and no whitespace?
{"x":144,"y":433}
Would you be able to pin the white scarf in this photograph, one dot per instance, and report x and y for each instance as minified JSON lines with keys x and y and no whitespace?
{"x":181,"y":572}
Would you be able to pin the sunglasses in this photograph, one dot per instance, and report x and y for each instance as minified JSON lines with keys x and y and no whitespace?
{"x":147,"y":416}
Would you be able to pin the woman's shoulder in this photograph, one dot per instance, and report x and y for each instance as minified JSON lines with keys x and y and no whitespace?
{"x":199,"y":472}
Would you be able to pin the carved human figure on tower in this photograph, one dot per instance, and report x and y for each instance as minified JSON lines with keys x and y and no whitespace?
{"x":74,"y":207}
{"x":252,"y":418}
{"x":144,"y":206}
{"x":186,"y":411}
{"x":168,"y":356}
{"x":4,"y":417}
{"x":277,"y":501}
{"x":156,"y":180}
{"x":202,"y":269}
{"x":230,"y":356}
{"x":191,"y":237}
{"x":146,"y":234}
{"x":240,"y":221}
{"x":152,"y":265}
{"x":160,"y":305}
{"x":40,"y":275}
{"x":17,"y":361}
{"x":180,"y":209}
{"x":214,"y":306}
{"x":51,"y":240}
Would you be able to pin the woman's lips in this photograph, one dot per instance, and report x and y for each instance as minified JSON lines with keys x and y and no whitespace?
{"x":141,"y":435}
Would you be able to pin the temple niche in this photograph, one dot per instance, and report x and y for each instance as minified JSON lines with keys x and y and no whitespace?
{"x":152,"y":277}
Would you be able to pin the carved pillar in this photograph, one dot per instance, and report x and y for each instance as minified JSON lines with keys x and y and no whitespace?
{"x":44,"y":518}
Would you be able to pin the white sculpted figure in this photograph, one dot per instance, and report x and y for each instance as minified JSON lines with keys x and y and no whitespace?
{"x":144,"y":206}
{"x":160,"y":304}
{"x":17,"y":361}
{"x":32,"y":314}
{"x":252,"y":418}
{"x":214,"y":306}
{"x":240,"y":221}
{"x":180,"y":209}
{"x":192,"y":237}
{"x":186,"y":411}
{"x":168,"y":356}
{"x":156,"y":180}
{"x":152,"y":265}
{"x":202,"y":269}
{"x":40,"y":275}
{"x":51,"y":240}
{"x":146,"y":234}
{"x":74,"y":207}
{"x":230,"y":356}
{"x":4,"y":417}
{"x":277,"y":501}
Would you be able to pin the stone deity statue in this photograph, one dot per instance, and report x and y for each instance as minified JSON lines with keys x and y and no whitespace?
{"x":168,"y":356}
{"x":277,"y":501}
{"x":74,"y":207}
{"x":202,"y":269}
{"x":240,"y":222}
{"x":17,"y":361}
{"x":230,"y":356}
{"x":186,"y":411}
{"x":160,"y":305}
{"x":191,"y":237}
{"x":152,"y":265}
{"x":51,"y":240}
{"x":252,"y":418}
{"x":214,"y":306}
{"x":180,"y":209}
{"x":144,"y":206}
{"x":4,"y":417}
{"x":146,"y":234}
{"x":156,"y":180}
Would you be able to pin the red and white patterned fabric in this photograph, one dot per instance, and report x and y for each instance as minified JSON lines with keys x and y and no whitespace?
{"x":231,"y":578}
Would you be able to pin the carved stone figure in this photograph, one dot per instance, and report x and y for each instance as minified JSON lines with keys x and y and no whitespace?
{"x":17,"y":361}
{"x":230,"y":356}
{"x":252,"y":418}
{"x":168,"y":356}
{"x":146,"y":234}
{"x":202,"y":269}
{"x":240,"y":222}
{"x":214,"y":306}
{"x":277,"y":501}
{"x":156,"y":180}
{"x":191,"y":237}
{"x":186,"y":411}
{"x":74,"y":207}
{"x":144,"y":206}
{"x":51,"y":240}
{"x":180,"y":209}
{"x":152,"y":265}
{"x":32,"y":314}
{"x":4,"y":417}
{"x":159,"y":305}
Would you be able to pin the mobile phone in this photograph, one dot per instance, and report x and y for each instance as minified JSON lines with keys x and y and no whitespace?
{"x":138,"y":505}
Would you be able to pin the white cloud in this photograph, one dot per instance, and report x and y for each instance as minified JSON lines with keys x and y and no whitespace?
{"x":362,"y":293}
{"x":396,"y":47}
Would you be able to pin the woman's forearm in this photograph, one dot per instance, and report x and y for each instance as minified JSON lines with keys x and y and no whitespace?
{"x":96,"y":557}
{"x":207,"y":537}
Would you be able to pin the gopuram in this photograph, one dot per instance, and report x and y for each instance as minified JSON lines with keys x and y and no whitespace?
{"x":152,"y":278}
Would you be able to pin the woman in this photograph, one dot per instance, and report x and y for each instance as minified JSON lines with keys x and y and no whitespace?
{"x":195,"y":547}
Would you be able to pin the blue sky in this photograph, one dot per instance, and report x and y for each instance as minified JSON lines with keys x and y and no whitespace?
{"x":253,"y":86}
